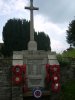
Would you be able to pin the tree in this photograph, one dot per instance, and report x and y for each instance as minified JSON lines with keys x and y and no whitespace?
{"x":71,"y":33}
{"x":43,"y":41}
{"x":16,"y":34}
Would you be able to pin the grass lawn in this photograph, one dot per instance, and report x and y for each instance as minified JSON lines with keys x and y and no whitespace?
{"x":68,"y":91}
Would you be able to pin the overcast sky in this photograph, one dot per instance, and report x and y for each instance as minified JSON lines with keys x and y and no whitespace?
{"x":53,"y":18}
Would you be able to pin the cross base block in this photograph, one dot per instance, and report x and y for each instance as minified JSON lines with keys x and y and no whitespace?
{"x":32,"y":45}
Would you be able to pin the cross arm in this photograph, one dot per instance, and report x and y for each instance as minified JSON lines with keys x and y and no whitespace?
{"x":27,"y":7}
{"x":33,"y":8}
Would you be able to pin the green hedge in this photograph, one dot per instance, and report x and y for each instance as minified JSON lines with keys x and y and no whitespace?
{"x":63,"y":61}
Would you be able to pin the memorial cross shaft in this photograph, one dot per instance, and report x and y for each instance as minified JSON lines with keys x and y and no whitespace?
{"x":31,"y":8}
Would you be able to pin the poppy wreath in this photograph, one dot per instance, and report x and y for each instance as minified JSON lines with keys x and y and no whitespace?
{"x":55,"y":87}
{"x":55,"y":68}
{"x":17,"y":80}
{"x":17,"y":69}
{"x":55,"y":78}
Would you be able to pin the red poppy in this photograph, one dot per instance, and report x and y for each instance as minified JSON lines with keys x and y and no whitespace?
{"x":55,"y":87}
{"x":17,"y":69}
{"x":55,"y":77}
{"x":17,"y":80}
{"x":55,"y":68}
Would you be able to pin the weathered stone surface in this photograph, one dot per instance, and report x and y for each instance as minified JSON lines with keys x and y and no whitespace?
{"x":32,"y":45}
{"x":5,"y":86}
{"x":35,"y":60}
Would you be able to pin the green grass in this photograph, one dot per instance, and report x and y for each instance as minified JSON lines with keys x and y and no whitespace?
{"x":68,"y":91}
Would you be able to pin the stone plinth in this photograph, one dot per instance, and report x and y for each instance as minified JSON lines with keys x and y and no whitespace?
{"x":35,"y":65}
{"x":32,"y":45}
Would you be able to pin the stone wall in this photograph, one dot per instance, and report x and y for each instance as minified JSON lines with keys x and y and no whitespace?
{"x":5,"y":80}
{"x":7,"y":92}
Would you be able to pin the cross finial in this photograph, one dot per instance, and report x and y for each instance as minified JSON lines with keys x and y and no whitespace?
{"x":31,"y":8}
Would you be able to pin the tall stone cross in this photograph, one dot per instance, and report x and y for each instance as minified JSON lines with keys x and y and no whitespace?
{"x":32,"y":45}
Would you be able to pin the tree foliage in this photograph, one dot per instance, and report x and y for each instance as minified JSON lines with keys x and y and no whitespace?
{"x":16,"y":33}
{"x":71,"y":33}
{"x":43,"y":41}
{"x":69,"y":53}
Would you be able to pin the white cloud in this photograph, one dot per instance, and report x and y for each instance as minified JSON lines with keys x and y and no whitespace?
{"x":59,"y":46}
{"x":1,"y":40}
{"x":56,"y":32}
{"x":59,"y":11}
{"x":42,"y":23}
{"x":9,"y":7}
{"x":12,"y":9}
{"x":15,"y":9}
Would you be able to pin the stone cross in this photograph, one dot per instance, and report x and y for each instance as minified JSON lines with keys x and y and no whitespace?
{"x":31,"y":8}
